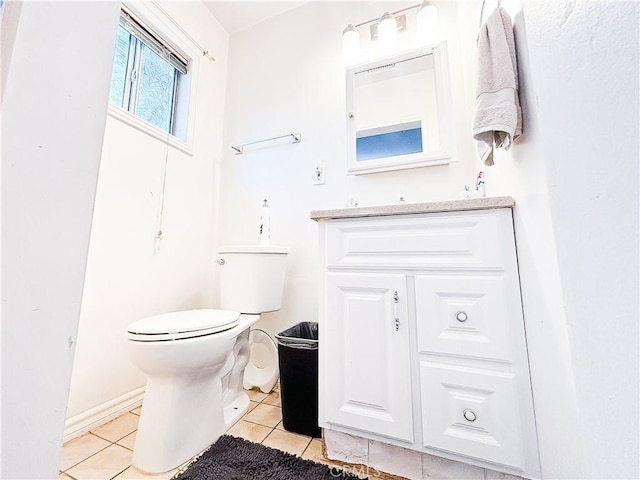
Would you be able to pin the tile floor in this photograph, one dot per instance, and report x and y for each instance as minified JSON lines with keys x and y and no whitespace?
{"x":105,"y":453}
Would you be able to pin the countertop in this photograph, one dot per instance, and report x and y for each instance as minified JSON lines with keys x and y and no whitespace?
{"x":408,"y":208}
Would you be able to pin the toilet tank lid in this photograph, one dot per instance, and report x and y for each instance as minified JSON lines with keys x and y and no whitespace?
{"x":253,"y":249}
{"x":185,"y":321}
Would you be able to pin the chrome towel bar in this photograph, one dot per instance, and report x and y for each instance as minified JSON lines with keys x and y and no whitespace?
{"x":238,"y":148}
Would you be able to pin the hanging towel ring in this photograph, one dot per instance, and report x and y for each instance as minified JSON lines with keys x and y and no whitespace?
{"x":482,"y":11}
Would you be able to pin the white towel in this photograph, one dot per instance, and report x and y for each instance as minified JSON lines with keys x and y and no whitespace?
{"x":498,"y":116}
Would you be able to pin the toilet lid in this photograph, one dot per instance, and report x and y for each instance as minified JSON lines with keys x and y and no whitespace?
{"x":185,"y":324}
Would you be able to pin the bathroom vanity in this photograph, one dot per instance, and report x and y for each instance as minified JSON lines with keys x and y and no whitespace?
{"x":422,"y":339}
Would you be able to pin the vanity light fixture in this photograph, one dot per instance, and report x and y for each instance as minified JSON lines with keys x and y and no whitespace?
{"x":387,"y":33}
{"x":350,"y":44}
{"x":385,"y":30}
{"x":427,"y":21}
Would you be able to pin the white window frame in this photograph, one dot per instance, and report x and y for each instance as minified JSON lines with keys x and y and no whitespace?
{"x":156,"y":18}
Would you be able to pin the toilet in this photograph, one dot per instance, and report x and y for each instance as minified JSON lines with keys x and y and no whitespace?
{"x":195,"y":360}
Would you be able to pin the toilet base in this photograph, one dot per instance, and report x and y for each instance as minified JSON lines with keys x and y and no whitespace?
{"x":155,"y":464}
{"x":236,"y":409}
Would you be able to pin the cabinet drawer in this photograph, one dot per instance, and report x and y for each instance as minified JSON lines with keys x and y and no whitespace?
{"x":462,"y":240}
{"x":492,"y":430}
{"x":466,"y":316}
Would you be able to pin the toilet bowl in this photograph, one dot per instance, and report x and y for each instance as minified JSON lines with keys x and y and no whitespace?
{"x":265,"y":375}
{"x":195,"y":361}
{"x":186,"y":373}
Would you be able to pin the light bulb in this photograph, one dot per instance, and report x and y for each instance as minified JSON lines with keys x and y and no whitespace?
{"x":350,"y":45}
{"x":427,"y":21}
{"x":387,"y":33}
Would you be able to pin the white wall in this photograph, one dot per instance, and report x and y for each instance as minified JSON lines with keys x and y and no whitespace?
{"x":584,"y":72}
{"x":126,"y":279}
{"x":287,"y":74}
{"x":53,"y":117}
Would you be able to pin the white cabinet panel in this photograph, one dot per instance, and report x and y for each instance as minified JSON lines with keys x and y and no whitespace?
{"x":463,"y":315}
{"x":460,"y":240}
{"x":491,"y":429}
{"x":367,"y":377}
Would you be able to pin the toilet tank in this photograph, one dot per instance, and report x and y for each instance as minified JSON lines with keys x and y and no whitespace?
{"x":252,"y":277}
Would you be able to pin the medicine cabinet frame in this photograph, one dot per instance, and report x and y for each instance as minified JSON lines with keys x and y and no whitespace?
{"x":424,"y":137}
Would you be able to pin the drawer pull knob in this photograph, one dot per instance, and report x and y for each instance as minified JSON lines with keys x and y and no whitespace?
{"x":469,"y":415}
{"x":461,"y":316}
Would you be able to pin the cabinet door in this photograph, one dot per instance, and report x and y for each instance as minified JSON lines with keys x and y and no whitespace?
{"x":365,"y":354}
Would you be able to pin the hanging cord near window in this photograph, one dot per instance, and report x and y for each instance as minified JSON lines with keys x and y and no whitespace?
{"x":205,"y":53}
{"x":157,"y":240}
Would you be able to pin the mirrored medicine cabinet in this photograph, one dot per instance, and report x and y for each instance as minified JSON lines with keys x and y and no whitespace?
{"x":399,"y":112}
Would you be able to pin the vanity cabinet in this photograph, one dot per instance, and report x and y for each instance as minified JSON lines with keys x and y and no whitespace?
{"x":422,"y":340}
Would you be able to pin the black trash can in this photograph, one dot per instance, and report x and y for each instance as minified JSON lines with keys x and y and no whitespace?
{"x":298,"y":361}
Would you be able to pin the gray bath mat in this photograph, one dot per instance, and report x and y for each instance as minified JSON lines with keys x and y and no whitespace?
{"x":233,"y":458}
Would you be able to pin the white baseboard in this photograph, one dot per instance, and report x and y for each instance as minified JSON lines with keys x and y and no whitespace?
{"x":101,"y":414}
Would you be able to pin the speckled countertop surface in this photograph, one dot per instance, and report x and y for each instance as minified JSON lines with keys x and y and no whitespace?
{"x":407,"y":208}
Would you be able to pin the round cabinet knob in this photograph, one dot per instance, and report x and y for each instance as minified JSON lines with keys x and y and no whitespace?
{"x":461,"y":316}
{"x":220,"y":261}
{"x":469,"y":415}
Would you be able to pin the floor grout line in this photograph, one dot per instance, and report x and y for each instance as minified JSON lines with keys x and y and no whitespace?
{"x":128,"y":466}
{"x":256,"y":423}
{"x":307,"y":447}
{"x":87,"y":458}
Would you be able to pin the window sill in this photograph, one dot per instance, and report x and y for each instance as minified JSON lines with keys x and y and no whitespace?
{"x":141,"y":125}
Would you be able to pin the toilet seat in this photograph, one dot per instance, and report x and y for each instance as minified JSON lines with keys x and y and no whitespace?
{"x":181,"y":325}
{"x":263,"y":378}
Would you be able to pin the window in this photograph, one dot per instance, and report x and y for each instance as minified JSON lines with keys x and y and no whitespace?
{"x":147,"y":76}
